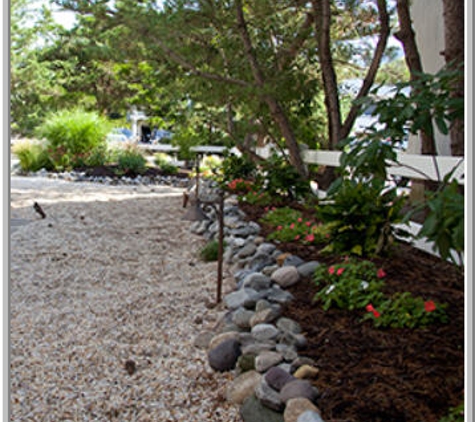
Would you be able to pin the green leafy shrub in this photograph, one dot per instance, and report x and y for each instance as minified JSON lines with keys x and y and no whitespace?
{"x":238,"y":167}
{"x":73,"y":137}
{"x":456,"y":414}
{"x":402,"y":310}
{"x":33,"y":156}
{"x":350,"y":285}
{"x":131,"y":160}
{"x":280,"y":179}
{"x":164,"y":162}
{"x":444,"y":224}
{"x":209,"y":252}
{"x":360,"y":207}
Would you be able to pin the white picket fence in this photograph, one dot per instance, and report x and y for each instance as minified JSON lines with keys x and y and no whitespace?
{"x":413,"y":166}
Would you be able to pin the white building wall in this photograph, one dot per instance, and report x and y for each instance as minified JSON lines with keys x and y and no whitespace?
{"x":428,"y":24}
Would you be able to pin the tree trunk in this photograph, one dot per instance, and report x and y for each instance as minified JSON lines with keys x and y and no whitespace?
{"x":321,"y":9}
{"x":454,"y":57}
{"x":413,"y":60}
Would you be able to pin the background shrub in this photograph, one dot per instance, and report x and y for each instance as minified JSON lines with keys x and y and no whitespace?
{"x":33,"y":156}
{"x":163,"y":161}
{"x":131,"y":160}
{"x":73,"y":137}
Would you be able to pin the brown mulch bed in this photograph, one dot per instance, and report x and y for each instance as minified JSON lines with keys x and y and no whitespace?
{"x":369,"y":374}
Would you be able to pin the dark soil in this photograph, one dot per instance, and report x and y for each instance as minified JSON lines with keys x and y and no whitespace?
{"x":369,"y":374}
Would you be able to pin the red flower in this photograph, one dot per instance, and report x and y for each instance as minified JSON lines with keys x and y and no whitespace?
{"x":381,"y":273}
{"x":429,"y":306}
{"x":308,"y":223}
{"x":299,"y":220}
{"x":376,"y":314}
{"x":331,"y":270}
{"x":292,"y":225}
{"x":370,"y":307}
{"x":310,"y":238}
{"x":297,"y":237}
{"x":340,"y":271}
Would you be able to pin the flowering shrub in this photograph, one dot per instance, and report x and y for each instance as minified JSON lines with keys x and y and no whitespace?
{"x":257,"y":198}
{"x":290,"y":226}
{"x":239,"y":186}
{"x":403,"y":310}
{"x":350,"y":285}
{"x":358,"y":284}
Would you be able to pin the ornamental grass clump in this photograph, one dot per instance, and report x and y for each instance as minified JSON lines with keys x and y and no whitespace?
{"x":73,"y":137}
{"x":33,"y":156}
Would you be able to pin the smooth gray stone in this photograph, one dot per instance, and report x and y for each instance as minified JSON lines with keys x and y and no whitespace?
{"x":266,"y":248}
{"x":293,"y":260}
{"x":286,"y":276}
{"x":260,"y":261}
{"x":253,"y":410}
{"x":267,"y":359}
{"x":308,"y":269}
{"x":277,"y":295}
{"x":277,"y":377}
{"x":242,"y":317}
{"x":310,"y":416}
{"x":299,"y":388}
{"x":247,"y":250}
{"x":264,"y":332}
{"x":244,"y":297}
{"x":269,"y":397}
{"x":225,"y":355}
{"x":257,"y":281}
{"x":288,"y":325}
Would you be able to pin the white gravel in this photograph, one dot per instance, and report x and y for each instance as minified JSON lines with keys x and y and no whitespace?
{"x":111,"y":274}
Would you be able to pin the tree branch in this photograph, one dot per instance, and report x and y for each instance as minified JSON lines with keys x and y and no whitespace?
{"x":373,"y":69}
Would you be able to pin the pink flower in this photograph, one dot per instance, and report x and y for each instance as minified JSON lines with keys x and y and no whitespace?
{"x":370,"y":307}
{"x":429,"y":306}
{"x":340,"y":271}
{"x":266,"y":209}
{"x":299,"y":220}
{"x":308,"y":223}
{"x":297,"y":237}
{"x":292,"y":225}
{"x":279,"y":227}
{"x":310,"y":238}
{"x":381,"y":273}
{"x":331,"y":270}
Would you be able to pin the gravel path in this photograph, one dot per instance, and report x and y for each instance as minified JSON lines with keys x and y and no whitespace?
{"x":110,"y":275}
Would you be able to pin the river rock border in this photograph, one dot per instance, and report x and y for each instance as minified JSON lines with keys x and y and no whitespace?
{"x":253,"y":341}
{"x":75,"y":176}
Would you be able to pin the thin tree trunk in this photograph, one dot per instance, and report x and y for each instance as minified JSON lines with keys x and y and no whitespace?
{"x":322,"y":13}
{"x":413,"y":60}
{"x":454,"y":57}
